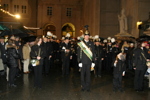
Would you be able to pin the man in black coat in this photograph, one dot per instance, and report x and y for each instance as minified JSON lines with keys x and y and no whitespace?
{"x":85,"y":61}
{"x":109,"y":56}
{"x":139,"y":64}
{"x":49,"y":49}
{"x":99,"y":57}
{"x":65,"y":49}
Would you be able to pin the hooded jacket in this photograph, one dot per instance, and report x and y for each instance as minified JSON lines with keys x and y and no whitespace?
{"x":12,"y":56}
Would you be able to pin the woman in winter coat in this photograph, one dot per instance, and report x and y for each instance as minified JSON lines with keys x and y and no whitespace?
{"x":12,"y":61}
{"x":38,"y":53}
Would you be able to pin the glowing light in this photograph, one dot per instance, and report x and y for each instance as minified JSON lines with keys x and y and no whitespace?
{"x":17,"y":16}
{"x":138,"y":23}
{"x":36,"y":28}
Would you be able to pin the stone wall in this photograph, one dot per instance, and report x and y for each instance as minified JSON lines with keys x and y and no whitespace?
{"x":91,"y":15}
{"x":136,"y":10}
{"x":109,"y":10}
{"x":59,"y":18}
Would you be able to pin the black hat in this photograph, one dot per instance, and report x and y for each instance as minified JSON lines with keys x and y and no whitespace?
{"x":67,"y":38}
{"x":47,"y":37}
{"x":114,"y":43}
{"x":108,"y":41}
{"x":97,"y":40}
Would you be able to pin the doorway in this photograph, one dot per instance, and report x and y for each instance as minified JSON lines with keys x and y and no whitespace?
{"x":68,"y":28}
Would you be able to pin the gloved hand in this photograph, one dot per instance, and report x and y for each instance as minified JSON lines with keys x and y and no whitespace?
{"x":80,"y":64}
{"x":93,"y":65}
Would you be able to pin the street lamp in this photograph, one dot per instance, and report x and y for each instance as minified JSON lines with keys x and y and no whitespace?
{"x":139,"y":23}
{"x":17,"y":16}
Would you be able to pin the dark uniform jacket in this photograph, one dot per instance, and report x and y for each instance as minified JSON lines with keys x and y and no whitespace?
{"x":120,"y":67}
{"x":139,"y":59}
{"x":35,"y":52}
{"x":48,"y":48}
{"x":99,"y":52}
{"x":82,"y":57}
{"x":64,"y":54}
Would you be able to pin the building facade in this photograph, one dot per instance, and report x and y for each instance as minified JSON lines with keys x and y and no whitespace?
{"x":70,"y":16}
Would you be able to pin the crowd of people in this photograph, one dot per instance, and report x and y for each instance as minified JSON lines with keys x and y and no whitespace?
{"x":84,"y":53}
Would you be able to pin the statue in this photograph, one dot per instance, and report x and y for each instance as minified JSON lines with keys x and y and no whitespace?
{"x":123,"y":22}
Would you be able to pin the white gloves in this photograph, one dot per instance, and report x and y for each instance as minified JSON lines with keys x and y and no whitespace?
{"x":80,"y":64}
{"x":93,"y":65}
{"x":123,"y":74}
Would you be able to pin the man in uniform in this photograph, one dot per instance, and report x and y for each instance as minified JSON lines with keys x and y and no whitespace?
{"x":85,"y":58}
{"x":65,"y":55}
{"x":99,"y":57}
{"x":49,"y":48}
{"x":109,"y":58}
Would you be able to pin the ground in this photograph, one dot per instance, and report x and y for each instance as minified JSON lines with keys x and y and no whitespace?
{"x":56,"y":87}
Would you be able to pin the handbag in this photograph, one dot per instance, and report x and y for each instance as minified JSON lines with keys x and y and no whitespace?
{"x":35,"y":62}
{"x":147,"y":62}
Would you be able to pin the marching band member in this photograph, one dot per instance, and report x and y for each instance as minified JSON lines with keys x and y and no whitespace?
{"x":85,"y":58}
{"x":66,"y":55}
{"x":99,"y":56}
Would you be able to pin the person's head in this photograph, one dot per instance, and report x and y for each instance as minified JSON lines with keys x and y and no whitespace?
{"x":11,"y":43}
{"x":131,"y":45}
{"x":125,"y":42}
{"x":97,"y":43}
{"x":17,"y":38}
{"x":147,"y":46}
{"x":38,"y":41}
{"x":109,"y":43}
{"x":2,"y":39}
{"x":45,"y":39}
{"x":12,"y":37}
{"x":86,"y":37}
{"x":143,"y":44}
{"x":66,"y":40}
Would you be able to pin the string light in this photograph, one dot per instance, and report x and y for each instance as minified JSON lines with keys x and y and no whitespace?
{"x":16,"y":16}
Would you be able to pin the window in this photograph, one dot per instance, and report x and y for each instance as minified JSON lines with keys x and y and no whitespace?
{"x":24,"y":9}
{"x":49,"y":11}
{"x":68,"y":12}
{"x":16,"y":8}
{"x":6,"y":7}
